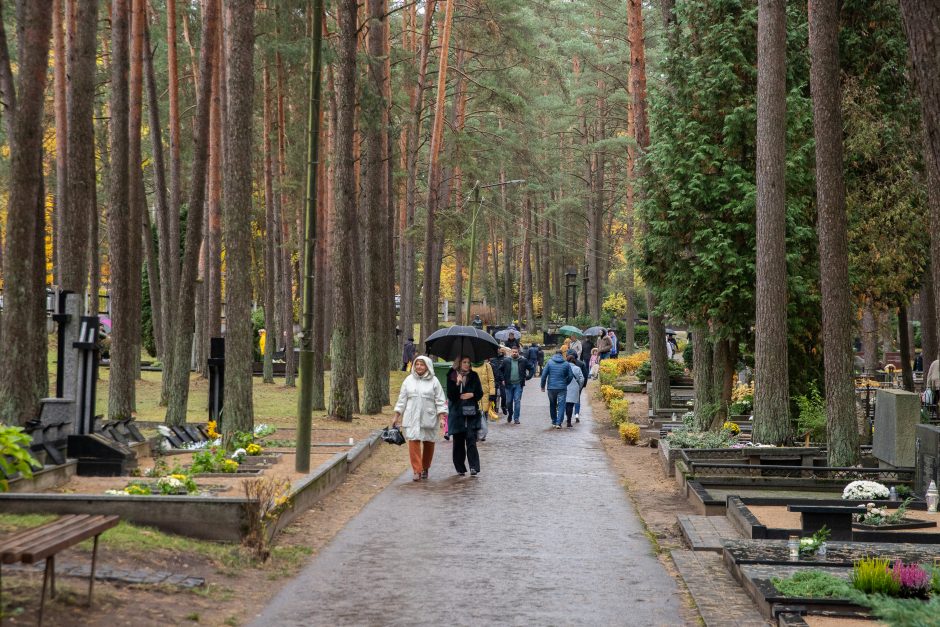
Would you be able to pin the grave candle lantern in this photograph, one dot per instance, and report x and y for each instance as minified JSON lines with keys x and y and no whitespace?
{"x":932,"y":497}
{"x":794,"y":545}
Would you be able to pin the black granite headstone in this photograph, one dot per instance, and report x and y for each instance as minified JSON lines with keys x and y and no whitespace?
{"x":926,"y":455}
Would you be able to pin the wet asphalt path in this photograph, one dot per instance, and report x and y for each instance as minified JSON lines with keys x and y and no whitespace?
{"x":545,"y":535}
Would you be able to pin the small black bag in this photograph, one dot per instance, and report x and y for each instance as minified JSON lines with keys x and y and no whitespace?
{"x":393,"y":435}
{"x":469,"y":409}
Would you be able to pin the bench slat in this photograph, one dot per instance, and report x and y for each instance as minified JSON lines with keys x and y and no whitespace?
{"x":41,"y":542}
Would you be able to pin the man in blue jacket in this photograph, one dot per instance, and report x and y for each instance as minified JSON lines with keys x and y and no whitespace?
{"x":556,"y":375}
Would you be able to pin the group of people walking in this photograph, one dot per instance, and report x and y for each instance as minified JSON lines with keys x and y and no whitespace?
{"x":474,"y":395}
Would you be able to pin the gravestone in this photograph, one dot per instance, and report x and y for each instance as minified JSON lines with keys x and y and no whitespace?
{"x":927,"y":453}
{"x":216,"y":364}
{"x":896,"y":417}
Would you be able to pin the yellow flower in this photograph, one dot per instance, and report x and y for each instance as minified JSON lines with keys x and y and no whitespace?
{"x":629,"y":432}
{"x":210,"y":430}
{"x":731,"y":427}
{"x":253,"y":449}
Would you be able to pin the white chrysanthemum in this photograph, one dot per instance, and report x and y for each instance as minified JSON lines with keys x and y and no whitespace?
{"x":864,"y":491}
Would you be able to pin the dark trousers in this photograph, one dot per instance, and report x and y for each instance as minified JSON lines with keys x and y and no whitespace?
{"x":569,"y":409}
{"x":465,"y":450}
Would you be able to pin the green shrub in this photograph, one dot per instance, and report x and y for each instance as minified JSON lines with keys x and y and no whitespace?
{"x":641,"y":335}
{"x":812,"y":584}
{"x":684,"y":438}
{"x":606,"y":377}
{"x":812,"y":414}
{"x":644,"y":372}
{"x":14,"y":455}
{"x":688,"y":356}
{"x":619,"y":411}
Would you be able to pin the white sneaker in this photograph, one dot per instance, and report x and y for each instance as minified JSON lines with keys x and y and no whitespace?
{"x":577,"y":417}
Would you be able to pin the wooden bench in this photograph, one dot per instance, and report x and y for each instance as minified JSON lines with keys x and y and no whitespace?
{"x":43,"y":542}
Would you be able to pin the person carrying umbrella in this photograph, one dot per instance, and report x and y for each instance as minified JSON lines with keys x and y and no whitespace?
{"x":464,"y":392}
{"x":420,"y":408}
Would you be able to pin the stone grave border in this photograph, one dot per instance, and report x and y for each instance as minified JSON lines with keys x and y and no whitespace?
{"x":744,"y":521}
{"x":207,"y":518}
{"x":754,"y":572}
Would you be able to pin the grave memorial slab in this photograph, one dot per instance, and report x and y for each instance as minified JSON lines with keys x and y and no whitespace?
{"x":896,"y":418}
{"x":927,"y":453}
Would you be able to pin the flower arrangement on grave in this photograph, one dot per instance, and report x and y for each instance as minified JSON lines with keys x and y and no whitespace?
{"x":731,"y":428}
{"x":865,"y":491}
{"x":176,"y":484}
{"x":687,"y":438}
{"x":742,"y":399}
{"x":263,"y":430}
{"x":810,"y":545}
{"x":211,"y":461}
{"x":253,"y":449}
{"x":211,"y":430}
{"x":880,"y":516}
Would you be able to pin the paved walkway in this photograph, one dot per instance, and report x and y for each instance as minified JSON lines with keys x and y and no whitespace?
{"x":545,"y":535}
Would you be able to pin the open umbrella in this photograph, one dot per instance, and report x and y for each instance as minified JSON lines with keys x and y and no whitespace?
{"x":594,"y":331}
{"x":570,"y":330}
{"x":503,"y":335}
{"x":461,"y":341}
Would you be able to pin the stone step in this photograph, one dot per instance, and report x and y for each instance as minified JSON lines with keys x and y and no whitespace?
{"x":705,"y":533}
{"x":721,"y":602}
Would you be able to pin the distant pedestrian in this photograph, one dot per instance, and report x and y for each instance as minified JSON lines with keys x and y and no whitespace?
{"x":587,"y":348}
{"x":670,"y":349}
{"x":488,"y":383}
{"x":420,"y":408}
{"x":594,"y":366}
{"x":408,"y":353}
{"x":496,"y":363}
{"x":463,"y":420}
{"x":673,"y":349}
{"x":604,"y":346}
{"x":516,"y":371}
{"x":532,"y":356}
{"x":574,"y":345}
{"x":541,"y":360}
{"x":556,"y":375}
{"x":613,"y":343}
{"x":573,"y":393}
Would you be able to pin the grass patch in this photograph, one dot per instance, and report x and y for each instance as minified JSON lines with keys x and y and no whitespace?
{"x":10,"y":523}
{"x":813,"y":585}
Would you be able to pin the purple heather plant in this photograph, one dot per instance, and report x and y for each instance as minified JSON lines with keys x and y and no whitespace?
{"x":914,"y":580}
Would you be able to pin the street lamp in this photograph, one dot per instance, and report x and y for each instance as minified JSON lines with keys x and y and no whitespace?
{"x":571,"y":293}
{"x":478,"y":205}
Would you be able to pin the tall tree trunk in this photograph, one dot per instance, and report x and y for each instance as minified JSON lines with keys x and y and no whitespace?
{"x":870,"y":340}
{"x":771,"y":389}
{"x":458,"y":287}
{"x":73,"y":233}
{"x":284,"y":215}
{"x":546,"y":278}
{"x":375,"y":370}
{"x":153,"y":271}
{"x":702,"y":378}
{"x":411,"y":176}
{"x":435,"y":181}
{"x":629,"y":336}
{"x":183,"y":320}
{"x":212,"y":305}
{"x":61,"y":206}
{"x":527,"y":267}
{"x":22,"y":383}
{"x":135,"y":181}
{"x":270,"y":235}
{"x":842,"y":428}
{"x":239,"y":73}
{"x":928,"y":323}
{"x":907,"y":370}
{"x":657,"y":329}
{"x":343,"y":392}
{"x":121,"y":383}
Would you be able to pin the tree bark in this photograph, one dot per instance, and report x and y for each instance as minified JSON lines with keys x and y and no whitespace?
{"x":270,"y":235}
{"x":771,"y":386}
{"x":375,"y":357}
{"x":702,"y":378}
{"x":527,"y":267}
{"x":22,"y":383}
{"x":135,"y":181}
{"x":239,"y":73}
{"x":183,"y":320}
{"x":122,"y":370}
{"x":284,"y":214}
{"x":73,"y":269}
{"x":928,"y":323}
{"x":213,"y":238}
{"x":842,"y":430}
{"x":907,"y":370}
{"x":546,"y":278}
{"x":61,"y":207}
{"x":343,"y":392}
{"x":657,"y":330}
{"x":870,"y":340}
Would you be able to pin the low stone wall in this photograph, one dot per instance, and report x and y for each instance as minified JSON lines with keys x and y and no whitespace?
{"x":209,"y":518}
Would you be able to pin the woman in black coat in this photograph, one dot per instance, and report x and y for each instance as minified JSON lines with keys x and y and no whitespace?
{"x":464,"y":392}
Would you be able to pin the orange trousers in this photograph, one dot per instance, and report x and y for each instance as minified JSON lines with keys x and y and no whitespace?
{"x":420,"y":460}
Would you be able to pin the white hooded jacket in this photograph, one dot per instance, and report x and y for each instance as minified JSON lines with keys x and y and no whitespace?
{"x":420,"y":401}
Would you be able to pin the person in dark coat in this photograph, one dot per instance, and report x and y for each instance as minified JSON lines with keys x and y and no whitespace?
{"x":497,"y":364}
{"x":516,"y":371}
{"x":532,"y":356}
{"x":408,"y":353}
{"x":513,"y":340}
{"x":464,"y":392}
{"x":477,"y":322}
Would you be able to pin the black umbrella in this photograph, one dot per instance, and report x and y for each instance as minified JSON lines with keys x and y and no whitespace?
{"x":456,"y":342}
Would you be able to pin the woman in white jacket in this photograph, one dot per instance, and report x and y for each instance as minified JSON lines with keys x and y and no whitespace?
{"x":420,"y":408}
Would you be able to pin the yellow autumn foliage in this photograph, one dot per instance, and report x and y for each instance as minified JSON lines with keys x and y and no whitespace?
{"x":629,"y":432}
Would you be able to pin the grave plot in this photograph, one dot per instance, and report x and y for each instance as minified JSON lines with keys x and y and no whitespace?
{"x":847,"y":582}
